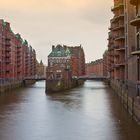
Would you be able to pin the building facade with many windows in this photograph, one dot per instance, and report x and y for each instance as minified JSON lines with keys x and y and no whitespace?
{"x":123,"y":45}
{"x":67,"y":57}
{"x":135,"y":22}
{"x":17,"y":57}
{"x":95,"y":68}
{"x":125,"y":77}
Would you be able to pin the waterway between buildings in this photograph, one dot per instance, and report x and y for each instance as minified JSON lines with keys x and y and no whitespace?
{"x":89,"y":112}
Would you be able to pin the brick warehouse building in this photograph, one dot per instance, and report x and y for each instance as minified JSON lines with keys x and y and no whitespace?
{"x":117,"y":41}
{"x":40,"y":69}
{"x":69,"y":57}
{"x":17,"y":58}
{"x":65,"y":64}
{"x":77,"y":60}
{"x":95,"y":68}
{"x":106,"y":64}
{"x":125,"y":78}
{"x":123,"y":46}
{"x":135,"y":50}
{"x":72,"y":57}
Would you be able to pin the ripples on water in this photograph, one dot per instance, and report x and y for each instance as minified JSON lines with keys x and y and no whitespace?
{"x":89,"y":112}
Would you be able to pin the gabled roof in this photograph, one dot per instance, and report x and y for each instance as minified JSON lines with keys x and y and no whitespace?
{"x":60,"y":51}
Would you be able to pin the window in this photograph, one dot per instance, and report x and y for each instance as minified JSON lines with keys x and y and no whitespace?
{"x":138,"y":94}
{"x":138,"y":69}
{"x":58,"y":76}
{"x":138,"y":41}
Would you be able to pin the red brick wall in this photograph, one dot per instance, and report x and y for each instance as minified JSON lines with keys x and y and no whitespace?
{"x":14,"y":55}
{"x":77,"y":61}
{"x":95,"y":68}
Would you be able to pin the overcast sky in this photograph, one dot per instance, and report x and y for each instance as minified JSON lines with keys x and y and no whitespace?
{"x":44,"y":23}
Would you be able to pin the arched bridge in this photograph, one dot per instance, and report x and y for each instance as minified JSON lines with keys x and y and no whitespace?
{"x":99,"y":78}
{"x":34,"y":78}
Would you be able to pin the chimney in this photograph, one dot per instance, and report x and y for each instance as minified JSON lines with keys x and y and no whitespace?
{"x":53,"y":47}
{"x":1,"y":21}
{"x":64,"y":46}
{"x":8,"y":25}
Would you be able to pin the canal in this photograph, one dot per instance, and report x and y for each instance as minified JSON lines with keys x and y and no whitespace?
{"x":89,"y":112}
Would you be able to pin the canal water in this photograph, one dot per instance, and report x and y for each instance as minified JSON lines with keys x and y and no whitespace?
{"x":89,"y":112}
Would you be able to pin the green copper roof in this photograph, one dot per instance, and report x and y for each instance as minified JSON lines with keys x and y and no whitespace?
{"x":25,"y":42}
{"x":67,"y":51}
{"x":17,"y":36}
{"x":4,"y":23}
{"x":22,"y":41}
{"x":60,"y":51}
{"x":11,"y":30}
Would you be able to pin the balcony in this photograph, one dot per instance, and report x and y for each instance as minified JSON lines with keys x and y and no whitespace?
{"x":118,"y":6}
{"x":118,"y":27}
{"x":8,"y":55}
{"x":7,"y":49}
{"x":134,"y":2}
{"x":18,"y":56}
{"x":117,"y":17}
{"x":19,"y":72}
{"x":111,"y":54}
{"x":116,"y":54}
{"x":7,"y":43}
{"x":19,"y":64}
{"x":135,"y":51}
{"x":8,"y":67}
{"x":111,"y":68}
{"x":110,"y":40}
{"x":116,"y":66}
{"x":120,"y":48}
{"x":7,"y":61}
{"x":135,"y":21}
{"x":110,"y":48}
{"x":112,"y":60}
{"x":19,"y":51}
{"x":7,"y":39}
{"x":119,"y":37}
{"x":109,"y":28}
{"x":19,"y":60}
{"x":120,"y":63}
{"x":112,"y":20}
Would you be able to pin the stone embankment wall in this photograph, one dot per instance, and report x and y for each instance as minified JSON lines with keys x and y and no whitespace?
{"x":131,"y":103}
{"x":13,"y":85}
{"x":61,"y":85}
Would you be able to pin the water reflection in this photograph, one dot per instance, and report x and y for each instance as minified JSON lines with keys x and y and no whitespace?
{"x":127,"y":127}
{"x":70,"y":99}
{"x":89,"y":112}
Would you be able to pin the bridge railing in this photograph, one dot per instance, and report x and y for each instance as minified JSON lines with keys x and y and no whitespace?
{"x":92,"y":77}
{"x":35,"y":78}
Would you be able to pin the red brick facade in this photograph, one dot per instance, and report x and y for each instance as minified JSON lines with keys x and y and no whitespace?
{"x":77,"y":61}
{"x":17,"y":58}
{"x":134,"y":50}
{"x":95,"y":68}
{"x":74,"y":60}
{"x":117,"y":39}
{"x":123,"y":46}
{"x":105,"y":64}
